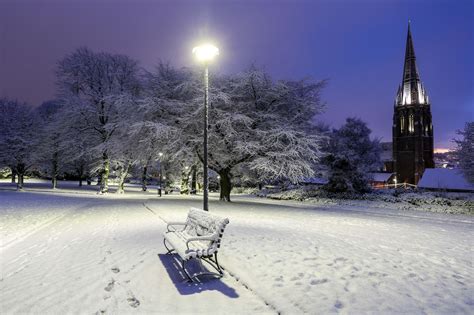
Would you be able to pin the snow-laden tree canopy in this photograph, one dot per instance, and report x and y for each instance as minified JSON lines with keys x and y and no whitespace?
{"x":50,"y":152}
{"x":17,"y":137}
{"x":91,"y":85}
{"x":253,"y":120}
{"x":111,"y":116}
{"x":351,"y":156}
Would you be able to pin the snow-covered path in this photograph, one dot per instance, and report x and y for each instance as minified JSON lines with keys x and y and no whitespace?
{"x":88,"y":253}
{"x":98,"y":254}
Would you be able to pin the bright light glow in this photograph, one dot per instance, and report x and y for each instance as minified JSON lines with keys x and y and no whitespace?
{"x":441,"y":150}
{"x":205,"y":52}
{"x":160,"y":154}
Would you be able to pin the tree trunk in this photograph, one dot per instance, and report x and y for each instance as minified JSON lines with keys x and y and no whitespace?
{"x":123,"y":175}
{"x":54,"y":179}
{"x":193,"y":179}
{"x":20,"y":171}
{"x":80,"y":173}
{"x":225,"y":185}
{"x":104,"y":180}
{"x":13,"y":175}
{"x":144,"y":175}
{"x":184,"y":183}
{"x":19,"y":183}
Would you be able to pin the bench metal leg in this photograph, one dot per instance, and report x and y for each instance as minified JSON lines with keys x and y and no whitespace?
{"x":168,"y":249}
{"x":214,"y":263}
{"x":210,"y":260}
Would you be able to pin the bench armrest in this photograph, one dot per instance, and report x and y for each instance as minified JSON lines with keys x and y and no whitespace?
{"x":171,"y":226}
{"x":210,"y":237}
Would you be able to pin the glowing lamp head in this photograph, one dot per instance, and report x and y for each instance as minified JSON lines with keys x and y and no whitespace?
{"x":205,"y":53}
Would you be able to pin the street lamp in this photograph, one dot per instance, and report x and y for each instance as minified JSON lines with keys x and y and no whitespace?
{"x":205,"y":54}
{"x":161,"y":177}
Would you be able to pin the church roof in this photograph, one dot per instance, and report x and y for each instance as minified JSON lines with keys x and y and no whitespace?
{"x":411,"y":91}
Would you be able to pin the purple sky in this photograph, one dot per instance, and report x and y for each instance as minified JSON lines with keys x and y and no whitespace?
{"x":358,"y":45}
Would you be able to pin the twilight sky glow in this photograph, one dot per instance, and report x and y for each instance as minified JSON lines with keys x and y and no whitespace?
{"x":358,"y":45}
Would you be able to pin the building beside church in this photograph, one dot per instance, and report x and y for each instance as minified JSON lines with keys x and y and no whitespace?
{"x":412,"y":132}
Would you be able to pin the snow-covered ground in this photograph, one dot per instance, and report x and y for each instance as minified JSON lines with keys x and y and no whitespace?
{"x":72,"y":251}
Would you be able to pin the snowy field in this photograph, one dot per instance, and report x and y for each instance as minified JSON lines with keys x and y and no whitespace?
{"x":72,"y":251}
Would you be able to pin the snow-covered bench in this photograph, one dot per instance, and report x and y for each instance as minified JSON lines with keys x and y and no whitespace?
{"x":199,"y":237}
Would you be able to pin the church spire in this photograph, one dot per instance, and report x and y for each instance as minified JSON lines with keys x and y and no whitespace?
{"x":412,"y":91}
{"x":410,"y":71}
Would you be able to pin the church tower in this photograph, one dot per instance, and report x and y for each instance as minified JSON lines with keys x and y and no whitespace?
{"x":412,"y":125}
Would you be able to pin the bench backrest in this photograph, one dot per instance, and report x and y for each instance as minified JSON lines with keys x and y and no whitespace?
{"x":199,"y":223}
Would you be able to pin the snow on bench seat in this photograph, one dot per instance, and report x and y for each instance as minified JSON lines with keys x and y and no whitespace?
{"x":198,"y":237}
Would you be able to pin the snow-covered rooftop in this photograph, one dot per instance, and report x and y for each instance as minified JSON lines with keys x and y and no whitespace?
{"x":444,"y":178}
{"x":380,"y":177}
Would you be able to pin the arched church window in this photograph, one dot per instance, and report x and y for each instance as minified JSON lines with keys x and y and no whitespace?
{"x":411,"y":124}
{"x":402,"y":124}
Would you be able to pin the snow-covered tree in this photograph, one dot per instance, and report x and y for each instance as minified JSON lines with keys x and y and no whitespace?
{"x":351,"y":156}
{"x":252,"y":120}
{"x":17,"y":137}
{"x":90,"y":85}
{"x":51,"y":147}
{"x":465,"y":151}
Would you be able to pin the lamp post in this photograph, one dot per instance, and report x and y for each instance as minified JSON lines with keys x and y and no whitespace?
{"x":161,"y":177}
{"x":205,"y":54}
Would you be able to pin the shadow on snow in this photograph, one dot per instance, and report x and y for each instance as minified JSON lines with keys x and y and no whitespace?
{"x":184,"y":287}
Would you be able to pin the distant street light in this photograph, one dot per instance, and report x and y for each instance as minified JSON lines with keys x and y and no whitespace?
{"x":205,"y":54}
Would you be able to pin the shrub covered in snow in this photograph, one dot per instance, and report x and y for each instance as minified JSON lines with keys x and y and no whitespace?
{"x":465,"y":151}
{"x":443,"y":202}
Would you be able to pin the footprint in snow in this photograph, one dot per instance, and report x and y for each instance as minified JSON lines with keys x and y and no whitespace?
{"x":318,"y":281}
{"x":339,"y":305}
{"x":309,"y":258}
{"x":133,"y":302}
{"x":110,"y":285}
